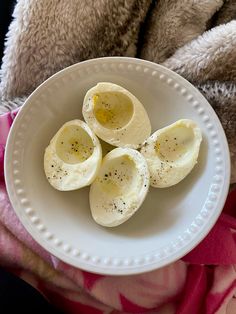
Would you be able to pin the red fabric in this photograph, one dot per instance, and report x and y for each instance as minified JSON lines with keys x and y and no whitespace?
{"x":194,"y":292}
{"x":129,"y":306}
{"x":90,"y":279}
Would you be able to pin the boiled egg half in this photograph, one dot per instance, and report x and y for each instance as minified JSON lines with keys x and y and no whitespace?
{"x":116,"y":116}
{"x":120,"y":187}
{"x":172,"y":152}
{"x":73,"y":157}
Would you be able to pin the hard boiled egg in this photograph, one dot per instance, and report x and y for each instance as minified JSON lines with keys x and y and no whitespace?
{"x":73,"y":157}
{"x":120,"y":187}
{"x":116,"y":116}
{"x":172,"y":152}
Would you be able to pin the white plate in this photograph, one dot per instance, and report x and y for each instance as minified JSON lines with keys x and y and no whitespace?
{"x":171,"y":221}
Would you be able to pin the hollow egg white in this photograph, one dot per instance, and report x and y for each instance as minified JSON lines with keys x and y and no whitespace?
{"x":120,"y":187}
{"x":73,"y":157}
{"x":116,"y":115}
{"x":172,"y":152}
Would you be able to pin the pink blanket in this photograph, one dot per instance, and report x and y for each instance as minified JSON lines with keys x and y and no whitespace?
{"x":204,"y":281}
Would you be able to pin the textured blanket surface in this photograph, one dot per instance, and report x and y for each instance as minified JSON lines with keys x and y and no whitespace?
{"x":195,"y":38}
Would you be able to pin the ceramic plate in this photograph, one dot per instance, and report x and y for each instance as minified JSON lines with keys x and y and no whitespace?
{"x":171,"y":221}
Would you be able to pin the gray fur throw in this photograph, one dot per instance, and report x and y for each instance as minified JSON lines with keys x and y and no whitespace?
{"x":195,"y":38}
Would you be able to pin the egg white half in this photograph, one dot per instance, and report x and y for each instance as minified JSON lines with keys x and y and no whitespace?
{"x":73,"y":157}
{"x":116,"y":116}
{"x":172,"y":152}
{"x":120,"y":187}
